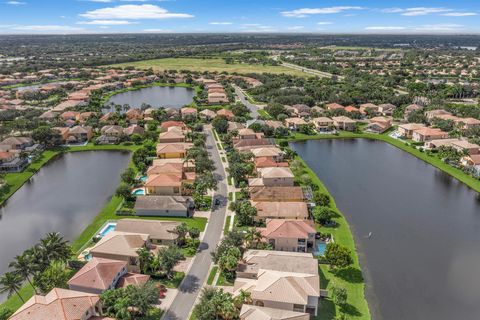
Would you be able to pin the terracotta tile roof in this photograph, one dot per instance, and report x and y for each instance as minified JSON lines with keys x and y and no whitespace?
{"x":58,"y":304}
{"x":120,"y":243}
{"x":98,"y":273}
{"x":265,"y":162}
{"x":276,"y":172}
{"x":135,"y":279}
{"x":167,"y":124}
{"x":167,"y":167}
{"x":285,"y":228}
{"x":249,"y":312}
{"x":173,"y":179}
{"x":173,"y":147}
{"x":254,"y":260}
{"x":294,"y":210}
{"x":155,"y":228}
{"x":276,"y":194}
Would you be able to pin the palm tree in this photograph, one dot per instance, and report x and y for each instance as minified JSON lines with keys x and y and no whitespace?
{"x":144,"y":259}
{"x":23,"y":266}
{"x":244,"y":297}
{"x":55,"y":248}
{"x":253,"y":236}
{"x":11,"y":282}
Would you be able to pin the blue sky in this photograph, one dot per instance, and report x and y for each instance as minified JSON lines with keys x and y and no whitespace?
{"x":332,"y":16}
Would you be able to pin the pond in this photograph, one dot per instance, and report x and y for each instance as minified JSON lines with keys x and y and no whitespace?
{"x":64,"y":196}
{"x":423,"y":257}
{"x":171,"y":97}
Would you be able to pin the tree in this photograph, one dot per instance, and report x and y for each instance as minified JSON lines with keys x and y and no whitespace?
{"x":181,"y":230}
{"x":339,"y":295}
{"x":321,"y":199}
{"x":215,"y":304}
{"x":23,"y":266}
{"x":244,"y":297}
{"x":232,"y":238}
{"x":141,"y":158}
{"x":5,"y":313}
{"x":128,"y":176}
{"x":220,"y":124}
{"x":55,"y":276}
{"x":124,"y":191}
{"x":245,"y":212}
{"x":228,"y":262}
{"x":54,"y":248}
{"x":168,"y":258}
{"x":338,"y":256}
{"x":323,"y":215}
{"x":11,"y":283}
{"x":194,"y":233}
{"x":275,"y":109}
{"x":253,"y":236}
{"x":144,"y":259}
{"x":43,"y":135}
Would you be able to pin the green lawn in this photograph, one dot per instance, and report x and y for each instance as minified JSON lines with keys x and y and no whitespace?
{"x":264,"y":115}
{"x":212,"y":275}
{"x":227,"y":224}
{"x":210,"y":64}
{"x":174,"y":282}
{"x":434,"y":161}
{"x":222,"y":281}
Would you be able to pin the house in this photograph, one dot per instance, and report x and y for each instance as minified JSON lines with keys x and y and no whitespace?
{"x":17,"y":143}
{"x":225,"y":113}
{"x":217,"y":97}
{"x":276,"y":177}
{"x":323,"y":124}
{"x":60,"y":304}
{"x":268,"y":152}
{"x":60,"y":135}
{"x":48,"y":116}
{"x":268,"y":209}
{"x":289,"y":235}
{"x":344,"y":123}
{"x":174,"y":134}
{"x":426,"y":134}
{"x":301,"y":110}
{"x":294,"y":123}
{"x":410,"y":109}
{"x":334,"y":106}
{"x":406,"y":130}
{"x":276,"y":194}
{"x":122,"y":246}
{"x":249,"y":312}
{"x":173,"y":150}
{"x":188,"y":112}
{"x":168,"y":124}
{"x":245,"y":133}
{"x":255,"y":260}
{"x":250,"y":144}
{"x":465,"y":146}
{"x":80,"y":134}
{"x":207,"y":114}
{"x":133,"y":115}
{"x":432,"y":114}
{"x":132,"y":279}
{"x":112,"y":131}
{"x":467,"y":123}
{"x":164,"y":184}
{"x":387,"y":109}
{"x":274,"y":124}
{"x":11,"y":162}
{"x":168,"y":206}
{"x":98,"y":275}
{"x":134,"y":129}
{"x":379,"y":125}
{"x":160,"y":232}
{"x":292,"y":291}
{"x":268,"y":162}
{"x":368,"y":107}
{"x":232,"y":126}
{"x":70,"y":115}
{"x":472,"y":162}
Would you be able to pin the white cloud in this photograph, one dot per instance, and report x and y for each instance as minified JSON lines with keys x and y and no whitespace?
{"x":392,"y":10}
{"x":385,"y":28}
{"x":440,"y":27}
{"x":220,"y":23}
{"x":134,"y":12}
{"x":108,"y":22}
{"x":324,"y":23}
{"x":47,"y":28}
{"x":422,"y":11}
{"x":295,"y":28}
{"x":460,"y":14}
{"x":305,"y":12}
{"x":101,"y":1}
{"x":256,"y":27}
{"x":16,"y":3}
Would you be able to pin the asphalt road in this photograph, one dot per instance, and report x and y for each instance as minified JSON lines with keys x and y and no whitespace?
{"x":192,"y":283}
{"x":243,"y":98}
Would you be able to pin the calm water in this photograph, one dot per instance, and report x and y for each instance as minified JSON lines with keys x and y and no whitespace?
{"x":63,"y":196}
{"x":423,"y":259}
{"x":172,"y":97}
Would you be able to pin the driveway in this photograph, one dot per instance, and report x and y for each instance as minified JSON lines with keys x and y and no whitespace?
{"x":243,"y":98}
{"x":195,"y":278}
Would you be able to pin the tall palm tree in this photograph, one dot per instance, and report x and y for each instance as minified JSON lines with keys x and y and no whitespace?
{"x":253,"y":236}
{"x":23,"y":266}
{"x":244,"y":297}
{"x":144,"y":259}
{"x":11,"y":282}
{"x":55,"y":247}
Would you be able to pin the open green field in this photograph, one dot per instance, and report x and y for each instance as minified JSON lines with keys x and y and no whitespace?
{"x":211,"y":64}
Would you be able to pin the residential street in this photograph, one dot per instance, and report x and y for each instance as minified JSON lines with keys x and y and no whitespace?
{"x":192,"y":284}
{"x":253,"y":107}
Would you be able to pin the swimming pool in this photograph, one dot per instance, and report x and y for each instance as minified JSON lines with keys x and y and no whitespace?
{"x":320,"y":249}
{"x":143,"y":178}
{"x":139,"y":192}
{"x":108,"y":228}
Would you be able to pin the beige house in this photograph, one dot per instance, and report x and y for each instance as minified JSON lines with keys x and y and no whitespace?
{"x":249,"y":312}
{"x":292,"y":291}
{"x":271,"y":152}
{"x":427,"y":134}
{"x":467,"y":123}
{"x":60,"y":304}
{"x":406,"y":130}
{"x":290,"y":235}
{"x":188,"y":112}
{"x":344,"y":123}
{"x":323,"y":124}
{"x":280,"y":210}
{"x":98,"y":275}
{"x":294,"y":123}
{"x":276,"y":194}
{"x":160,"y":232}
{"x":276,"y":177}
{"x":173,"y":150}
{"x":172,"y":135}
{"x":207,"y":114}
{"x":122,"y":246}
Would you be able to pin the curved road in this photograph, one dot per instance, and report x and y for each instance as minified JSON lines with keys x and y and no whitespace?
{"x":195,"y":278}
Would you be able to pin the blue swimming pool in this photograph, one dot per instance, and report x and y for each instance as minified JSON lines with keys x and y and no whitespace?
{"x":320,"y":249}
{"x":139,"y":192}
{"x":108,"y":228}
{"x":143,"y":178}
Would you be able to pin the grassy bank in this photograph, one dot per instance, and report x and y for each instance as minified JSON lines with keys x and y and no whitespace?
{"x":434,"y":161}
{"x":211,"y":65}
{"x":349,"y":278}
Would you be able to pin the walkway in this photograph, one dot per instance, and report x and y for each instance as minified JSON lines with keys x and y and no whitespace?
{"x":195,"y":278}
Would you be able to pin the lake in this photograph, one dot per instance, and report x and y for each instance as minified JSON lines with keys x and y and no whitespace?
{"x":172,"y":97}
{"x":64,"y":196}
{"x":423,"y":258}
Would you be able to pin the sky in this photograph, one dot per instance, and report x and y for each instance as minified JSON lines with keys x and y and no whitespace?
{"x":245,"y":16}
